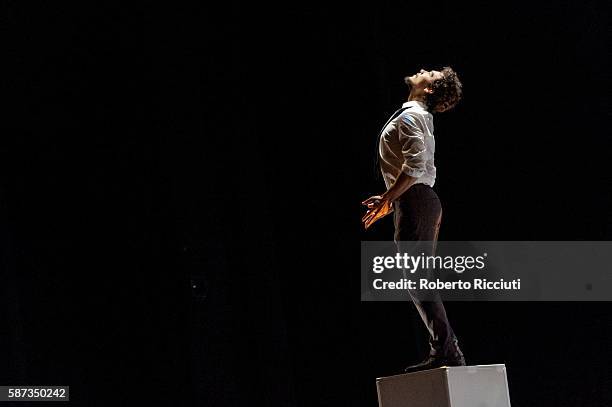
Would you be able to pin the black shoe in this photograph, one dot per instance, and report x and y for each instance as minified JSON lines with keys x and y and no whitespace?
{"x":433,"y":362}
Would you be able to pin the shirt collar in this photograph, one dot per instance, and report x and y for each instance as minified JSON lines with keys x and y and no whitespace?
{"x":415,"y":103}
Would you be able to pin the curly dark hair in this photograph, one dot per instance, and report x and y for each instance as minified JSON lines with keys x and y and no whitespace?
{"x":447,"y":92}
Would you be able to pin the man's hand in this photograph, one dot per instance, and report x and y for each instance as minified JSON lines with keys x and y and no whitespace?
{"x":378,"y":207}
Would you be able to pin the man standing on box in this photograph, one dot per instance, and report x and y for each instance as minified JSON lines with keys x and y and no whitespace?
{"x":406,"y":152}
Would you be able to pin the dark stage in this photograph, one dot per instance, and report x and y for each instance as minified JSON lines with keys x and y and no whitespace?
{"x":181,"y":187}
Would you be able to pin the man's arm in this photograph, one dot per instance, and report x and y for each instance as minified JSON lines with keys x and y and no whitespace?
{"x":401,"y":185}
{"x":412,"y":140}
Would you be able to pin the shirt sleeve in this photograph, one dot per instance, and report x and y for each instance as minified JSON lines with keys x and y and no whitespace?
{"x":412,"y":140}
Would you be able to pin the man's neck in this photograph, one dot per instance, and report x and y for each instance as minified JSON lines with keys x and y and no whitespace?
{"x":416,"y":97}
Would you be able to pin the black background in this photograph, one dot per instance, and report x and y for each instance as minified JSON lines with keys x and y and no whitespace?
{"x":148,"y":150}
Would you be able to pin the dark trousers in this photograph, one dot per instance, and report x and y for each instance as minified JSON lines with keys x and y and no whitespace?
{"x":417,"y":216}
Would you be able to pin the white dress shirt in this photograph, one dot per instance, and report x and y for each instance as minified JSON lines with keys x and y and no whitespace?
{"x":407,"y":145}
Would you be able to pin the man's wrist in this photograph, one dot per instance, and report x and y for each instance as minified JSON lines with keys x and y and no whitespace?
{"x":389,"y":196}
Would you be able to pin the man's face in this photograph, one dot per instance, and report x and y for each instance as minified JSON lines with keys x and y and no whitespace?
{"x":423,"y":79}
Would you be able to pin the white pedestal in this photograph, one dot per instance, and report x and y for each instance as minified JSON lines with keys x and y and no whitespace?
{"x":461,"y":386}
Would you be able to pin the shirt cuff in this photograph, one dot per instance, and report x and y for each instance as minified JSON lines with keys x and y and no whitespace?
{"x":413,"y":172}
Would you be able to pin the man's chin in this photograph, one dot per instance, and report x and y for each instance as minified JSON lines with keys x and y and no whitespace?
{"x":408,"y":81}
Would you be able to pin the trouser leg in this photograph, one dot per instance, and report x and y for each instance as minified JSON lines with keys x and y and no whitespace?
{"x":418,"y":215}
